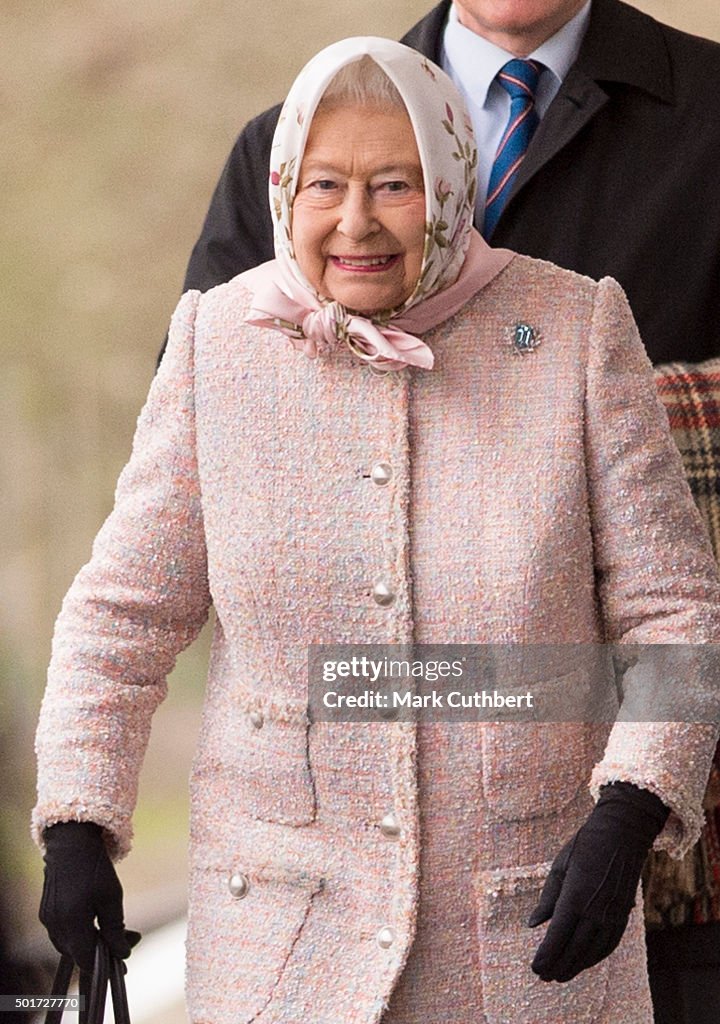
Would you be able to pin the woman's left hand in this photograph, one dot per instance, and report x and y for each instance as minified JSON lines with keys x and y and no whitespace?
{"x":593,"y":882}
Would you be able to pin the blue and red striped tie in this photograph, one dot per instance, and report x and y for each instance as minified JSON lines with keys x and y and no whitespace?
{"x":519,"y":78}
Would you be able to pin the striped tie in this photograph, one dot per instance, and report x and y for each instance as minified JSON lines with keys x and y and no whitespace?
{"x":519,"y":78}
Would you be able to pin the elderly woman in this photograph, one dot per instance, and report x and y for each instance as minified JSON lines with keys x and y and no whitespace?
{"x":459,"y":445}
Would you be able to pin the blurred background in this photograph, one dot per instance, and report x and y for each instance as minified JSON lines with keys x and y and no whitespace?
{"x":116,"y":121}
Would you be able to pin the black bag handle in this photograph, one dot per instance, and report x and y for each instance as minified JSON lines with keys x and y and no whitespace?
{"x":107,"y":970}
{"x":61,"y":984}
{"x":118,"y":992}
{"x":98,"y":984}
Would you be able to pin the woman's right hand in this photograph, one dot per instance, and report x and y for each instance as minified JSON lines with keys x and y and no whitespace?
{"x":81,"y":885}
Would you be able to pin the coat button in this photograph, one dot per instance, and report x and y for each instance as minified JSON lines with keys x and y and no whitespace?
{"x":385,"y":937}
{"x":238,"y":884}
{"x":389,"y":826}
{"x":257,"y":718}
{"x":381,"y":474}
{"x":383,"y":594}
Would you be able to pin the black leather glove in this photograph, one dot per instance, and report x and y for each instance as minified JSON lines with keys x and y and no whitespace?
{"x":593,"y":882}
{"x":81,"y":885}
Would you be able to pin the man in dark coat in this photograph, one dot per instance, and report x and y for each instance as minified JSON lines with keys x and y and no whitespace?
{"x":620,"y":177}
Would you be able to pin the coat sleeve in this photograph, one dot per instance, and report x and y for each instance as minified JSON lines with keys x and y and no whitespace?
{"x":656,"y":577}
{"x":139,"y":601}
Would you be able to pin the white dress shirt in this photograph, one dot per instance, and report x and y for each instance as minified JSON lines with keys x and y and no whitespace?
{"x":473,"y":62}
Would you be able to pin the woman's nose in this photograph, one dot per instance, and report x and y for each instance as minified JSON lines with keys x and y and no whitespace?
{"x":357,"y":215}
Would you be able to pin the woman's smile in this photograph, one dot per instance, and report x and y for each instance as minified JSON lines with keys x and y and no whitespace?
{"x":364,"y":264}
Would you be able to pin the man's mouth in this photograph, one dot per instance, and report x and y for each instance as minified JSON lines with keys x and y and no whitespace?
{"x":364,"y":264}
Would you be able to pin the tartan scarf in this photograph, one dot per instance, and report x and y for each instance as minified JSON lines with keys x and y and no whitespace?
{"x":688,"y":891}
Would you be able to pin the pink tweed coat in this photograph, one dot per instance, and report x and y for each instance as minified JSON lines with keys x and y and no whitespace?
{"x":534,"y":498}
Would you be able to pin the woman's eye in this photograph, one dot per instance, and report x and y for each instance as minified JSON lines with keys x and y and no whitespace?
{"x":394,"y":186}
{"x":324,"y":185}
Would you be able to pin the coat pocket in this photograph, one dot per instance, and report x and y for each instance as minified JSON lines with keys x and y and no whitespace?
{"x":243,"y":925}
{"x":505,"y":899}
{"x":531,"y":770}
{"x":255,"y":747}
{"x":540,"y":767}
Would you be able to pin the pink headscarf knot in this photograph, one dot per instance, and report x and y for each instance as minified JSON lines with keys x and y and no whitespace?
{"x":316,"y":330}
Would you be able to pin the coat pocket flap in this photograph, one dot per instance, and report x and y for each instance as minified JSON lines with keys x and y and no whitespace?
{"x":507,"y":896}
{"x":505,"y":899}
{"x":256,"y":748}
{"x":242,"y":931}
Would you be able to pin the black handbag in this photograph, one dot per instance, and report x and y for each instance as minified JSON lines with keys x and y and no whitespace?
{"x":109,"y":971}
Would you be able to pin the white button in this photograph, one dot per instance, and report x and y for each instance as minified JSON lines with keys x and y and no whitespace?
{"x":389,"y":826}
{"x":238,"y":884}
{"x":257,"y":718}
{"x":383,"y":594}
{"x":381,"y":474}
{"x":385,"y":937}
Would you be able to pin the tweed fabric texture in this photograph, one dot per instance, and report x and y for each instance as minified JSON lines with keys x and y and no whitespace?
{"x":513,"y":516}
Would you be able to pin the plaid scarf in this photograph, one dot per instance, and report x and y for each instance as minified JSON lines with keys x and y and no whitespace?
{"x":688,"y":891}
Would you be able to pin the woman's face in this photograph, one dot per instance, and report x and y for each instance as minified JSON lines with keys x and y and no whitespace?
{"x":358,"y":218}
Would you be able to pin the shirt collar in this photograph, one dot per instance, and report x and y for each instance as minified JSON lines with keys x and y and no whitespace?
{"x":560,"y":51}
{"x":477,"y":61}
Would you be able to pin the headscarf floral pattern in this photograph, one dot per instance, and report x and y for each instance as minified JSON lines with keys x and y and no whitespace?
{"x":445,"y":142}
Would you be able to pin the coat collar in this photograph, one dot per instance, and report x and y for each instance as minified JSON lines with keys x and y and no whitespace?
{"x":427,"y":35}
{"x":636,"y":58}
{"x":638,"y":55}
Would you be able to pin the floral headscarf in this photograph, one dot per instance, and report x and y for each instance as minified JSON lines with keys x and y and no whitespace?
{"x":457,"y":262}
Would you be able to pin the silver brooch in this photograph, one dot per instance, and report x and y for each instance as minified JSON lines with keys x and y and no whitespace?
{"x":524,"y":339}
